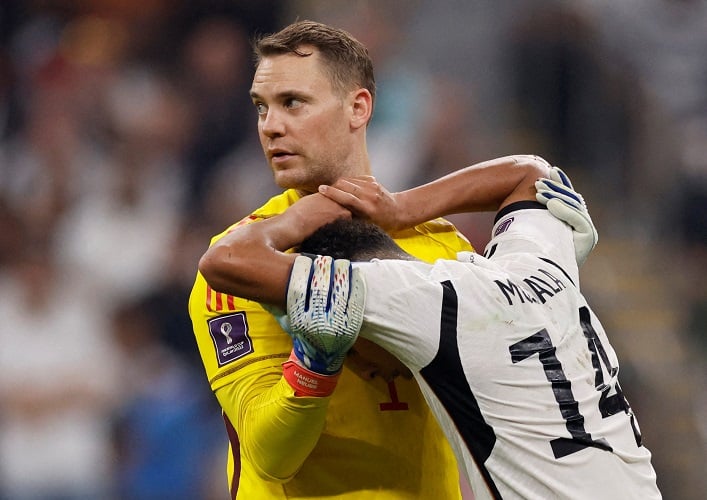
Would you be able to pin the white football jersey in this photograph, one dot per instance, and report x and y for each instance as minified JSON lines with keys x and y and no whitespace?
{"x":515,"y":365}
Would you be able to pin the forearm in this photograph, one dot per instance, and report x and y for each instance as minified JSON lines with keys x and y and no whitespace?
{"x":254,"y":272}
{"x":277,"y":430}
{"x":485,"y":186}
{"x":250,"y":261}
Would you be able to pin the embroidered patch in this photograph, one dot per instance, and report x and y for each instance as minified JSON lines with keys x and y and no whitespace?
{"x":503,"y":227}
{"x":230,"y":336}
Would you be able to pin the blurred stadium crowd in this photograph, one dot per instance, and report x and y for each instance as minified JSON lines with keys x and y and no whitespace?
{"x":127,"y":139}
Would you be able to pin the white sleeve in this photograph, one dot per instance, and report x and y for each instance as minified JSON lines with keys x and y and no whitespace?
{"x":403,"y":305}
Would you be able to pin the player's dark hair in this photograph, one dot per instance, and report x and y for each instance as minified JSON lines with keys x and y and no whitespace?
{"x":346,"y":59}
{"x":353,"y":239}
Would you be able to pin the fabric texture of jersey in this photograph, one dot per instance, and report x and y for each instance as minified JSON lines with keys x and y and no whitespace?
{"x":515,"y":365}
{"x":380,"y":440}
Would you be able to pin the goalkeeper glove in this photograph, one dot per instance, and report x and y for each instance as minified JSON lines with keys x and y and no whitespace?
{"x":325,"y":303}
{"x":569,"y":206}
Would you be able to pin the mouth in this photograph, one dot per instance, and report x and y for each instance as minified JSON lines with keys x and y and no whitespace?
{"x":278,"y":156}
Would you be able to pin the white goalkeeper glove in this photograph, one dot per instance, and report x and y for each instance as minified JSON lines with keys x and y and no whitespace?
{"x":325,"y":304}
{"x":569,"y":206}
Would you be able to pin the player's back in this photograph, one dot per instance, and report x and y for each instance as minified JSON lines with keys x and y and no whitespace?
{"x":516,"y":366}
{"x":545,"y":384}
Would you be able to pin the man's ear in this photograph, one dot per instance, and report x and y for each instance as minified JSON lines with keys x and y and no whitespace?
{"x":361,"y":107}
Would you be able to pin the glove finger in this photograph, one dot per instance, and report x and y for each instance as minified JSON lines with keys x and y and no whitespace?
{"x":545,"y":196}
{"x":357,"y":300}
{"x":321,"y":285}
{"x":558,"y":175}
{"x":345,"y":325}
{"x":321,"y":288}
{"x":347,"y":314}
{"x":341,"y":289}
{"x":549,"y":189}
{"x":298,"y":284}
{"x":350,"y":299}
{"x":584,"y":233}
{"x":550,"y":185}
{"x":567,"y":212}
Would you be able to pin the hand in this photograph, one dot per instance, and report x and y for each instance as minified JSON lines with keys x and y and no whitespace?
{"x":311,"y":212}
{"x":569,"y":206}
{"x":366,"y":199}
{"x":325,"y":303}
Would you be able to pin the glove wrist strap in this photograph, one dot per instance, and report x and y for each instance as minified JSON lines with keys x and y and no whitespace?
{"x":305,"y":382}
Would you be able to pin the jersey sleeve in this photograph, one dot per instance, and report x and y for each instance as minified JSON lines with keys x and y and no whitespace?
{"x":265,"y":410}
{"x":242,"y":348}
{"x":408,"y":296}
{"x":403,"y":309}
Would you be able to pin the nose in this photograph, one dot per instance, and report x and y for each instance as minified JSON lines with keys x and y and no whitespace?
{"x":272,"y":125}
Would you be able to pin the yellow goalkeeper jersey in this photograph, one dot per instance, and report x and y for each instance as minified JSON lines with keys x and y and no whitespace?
{"x":370,"y":440}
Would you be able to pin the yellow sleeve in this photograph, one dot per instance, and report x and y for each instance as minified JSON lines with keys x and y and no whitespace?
{"x":266,"y":416}
{"x":242,"y":348}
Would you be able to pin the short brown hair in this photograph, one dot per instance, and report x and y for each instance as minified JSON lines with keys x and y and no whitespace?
{"x":346,"y":59}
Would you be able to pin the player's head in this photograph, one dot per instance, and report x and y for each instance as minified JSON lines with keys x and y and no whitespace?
{"x":313,"y":90}
{"x":345,"y":59}
{"x":359,"y":240}
{"x":353,"y":239}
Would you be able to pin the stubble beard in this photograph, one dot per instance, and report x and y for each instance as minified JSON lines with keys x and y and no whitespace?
{"x":308,"y":176}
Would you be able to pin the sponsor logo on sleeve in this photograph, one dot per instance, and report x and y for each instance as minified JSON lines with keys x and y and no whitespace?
{"x":230,"y":336}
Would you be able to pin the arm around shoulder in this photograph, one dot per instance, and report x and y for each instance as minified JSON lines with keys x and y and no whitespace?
{"x":485,"y":186}
{"x":245,"y":264}
{"x":251,"y":261}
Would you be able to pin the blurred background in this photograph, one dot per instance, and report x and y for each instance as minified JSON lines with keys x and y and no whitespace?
{"x":127,"y":139}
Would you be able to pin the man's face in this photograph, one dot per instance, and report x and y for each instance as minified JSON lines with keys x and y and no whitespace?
{"x":303,"y":123}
